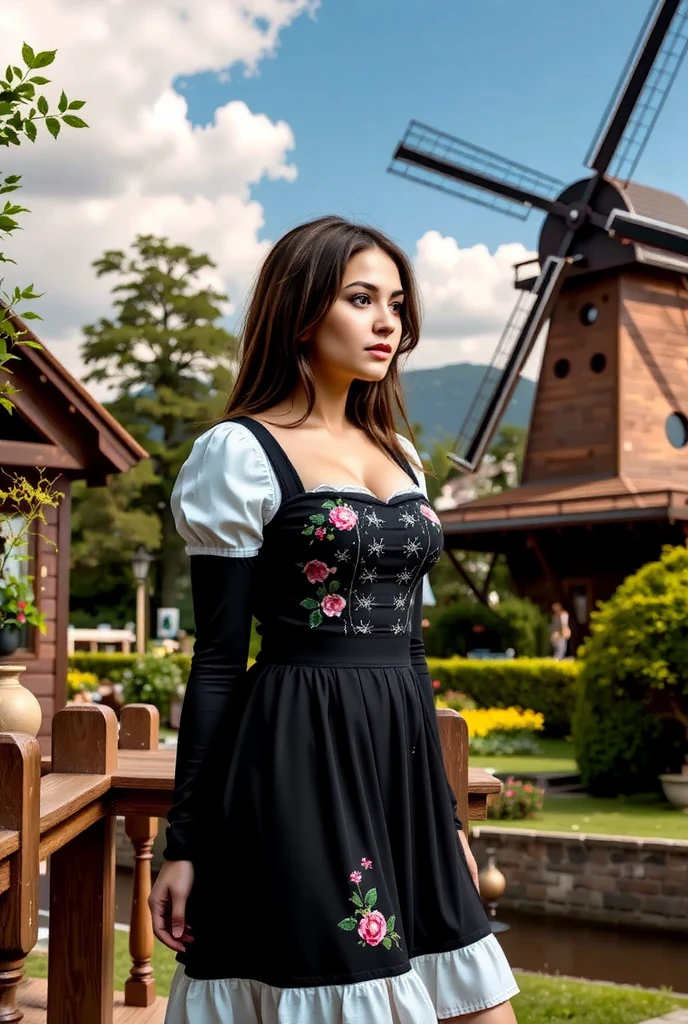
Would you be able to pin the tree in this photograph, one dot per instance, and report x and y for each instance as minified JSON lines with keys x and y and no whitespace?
{"x":170,"y":363}
{"x":17,"y":92}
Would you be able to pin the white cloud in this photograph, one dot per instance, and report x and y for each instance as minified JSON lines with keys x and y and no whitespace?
{"x":142,"y":166}
{"x":468,"y":296}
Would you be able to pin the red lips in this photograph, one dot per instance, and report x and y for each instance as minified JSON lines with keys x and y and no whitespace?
{"x":379,"y":348}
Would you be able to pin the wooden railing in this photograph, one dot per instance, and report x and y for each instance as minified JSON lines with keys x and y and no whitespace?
{"x":98,"y":772}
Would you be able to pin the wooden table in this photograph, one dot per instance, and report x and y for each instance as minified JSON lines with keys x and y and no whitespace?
{"x":145,"y":780}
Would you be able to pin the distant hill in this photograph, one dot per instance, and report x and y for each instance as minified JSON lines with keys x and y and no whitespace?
{"x":440,"y":398}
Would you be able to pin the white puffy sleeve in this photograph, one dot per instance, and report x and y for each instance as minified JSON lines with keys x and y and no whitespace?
{"x":226,"y":492}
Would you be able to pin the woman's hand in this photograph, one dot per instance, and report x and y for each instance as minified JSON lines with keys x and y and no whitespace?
{"x":167,"y":903}
{"x":470,"y":859}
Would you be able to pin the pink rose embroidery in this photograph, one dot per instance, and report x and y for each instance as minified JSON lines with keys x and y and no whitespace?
{"x":317,"y":572}
{"x":321,"y":532}
{"x":430,"y":514}
{"x":373,"y":928}
{"x":333,"y":605}
{"x":343,"y":517}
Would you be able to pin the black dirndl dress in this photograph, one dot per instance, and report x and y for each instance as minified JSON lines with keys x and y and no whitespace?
{"x":330,"y":882}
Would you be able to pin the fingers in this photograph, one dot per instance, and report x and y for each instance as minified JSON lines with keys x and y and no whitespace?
{"x":159,"y":902}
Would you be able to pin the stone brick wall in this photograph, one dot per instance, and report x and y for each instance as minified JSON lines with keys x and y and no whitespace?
{"x":613,"y":879}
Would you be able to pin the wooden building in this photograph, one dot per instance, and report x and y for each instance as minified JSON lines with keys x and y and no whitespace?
{"x":57,"y":426}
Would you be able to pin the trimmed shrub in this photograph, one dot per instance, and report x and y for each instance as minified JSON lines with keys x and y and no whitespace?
{"x":467,"y":625}
{"x":631,"y":720}
{"x":540,"y":684}
{"x":104,"y":665}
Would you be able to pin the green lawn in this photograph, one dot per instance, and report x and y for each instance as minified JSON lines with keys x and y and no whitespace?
{"x":632,"y":816}
{"x":543,"y":1000}
{"x":557,"y":756}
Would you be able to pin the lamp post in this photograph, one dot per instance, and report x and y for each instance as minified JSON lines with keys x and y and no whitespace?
{"x":140,"y":564}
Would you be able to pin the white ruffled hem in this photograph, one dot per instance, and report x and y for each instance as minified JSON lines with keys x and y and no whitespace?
{"x":437,"y":986}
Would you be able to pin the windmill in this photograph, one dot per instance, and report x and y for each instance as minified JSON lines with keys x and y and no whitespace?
{"x":609,"y":427}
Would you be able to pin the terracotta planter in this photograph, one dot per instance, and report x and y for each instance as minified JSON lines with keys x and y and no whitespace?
{"x":19,"y":709}
{"x":9,"y":640}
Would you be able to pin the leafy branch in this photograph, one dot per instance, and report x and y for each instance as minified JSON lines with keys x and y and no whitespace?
{"x":21,"y":112}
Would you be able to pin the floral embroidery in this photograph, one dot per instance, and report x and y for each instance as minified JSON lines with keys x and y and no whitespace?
{"x":317,"y":572}
{"x":341,"y":517}
{"x":430,"y":514}
{"x":373,"y":928}
{"x":329,"y":602}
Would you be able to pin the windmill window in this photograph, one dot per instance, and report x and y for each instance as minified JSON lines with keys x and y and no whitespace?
{"x":677,"y":430}
{"x":589,"y":314}
{"x":598,"y":362}
{"x":562,"y":368}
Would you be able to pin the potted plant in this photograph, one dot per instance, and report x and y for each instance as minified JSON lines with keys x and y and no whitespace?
{"x":22,"y":506}
{"x":17,"y":609}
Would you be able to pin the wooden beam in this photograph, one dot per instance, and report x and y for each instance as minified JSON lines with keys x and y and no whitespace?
{"x":490,"y":568}
{"x":465,"y":577}
{"x":544,"y":565}
{"x":29,"y":453}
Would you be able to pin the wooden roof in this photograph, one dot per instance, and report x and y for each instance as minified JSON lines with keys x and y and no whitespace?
{"x":663,"y":206}
{"x":563,"y":502}
{"x":57,"y":423}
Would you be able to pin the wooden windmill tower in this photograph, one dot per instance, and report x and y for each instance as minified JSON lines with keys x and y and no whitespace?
{"x":605,"y":480}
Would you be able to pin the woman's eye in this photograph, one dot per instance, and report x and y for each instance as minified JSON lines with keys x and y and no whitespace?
{"x":397,"y":307}
{"x":363,"y":296}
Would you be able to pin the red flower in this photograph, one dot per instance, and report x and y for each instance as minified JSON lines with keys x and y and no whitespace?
{"x":436,"y":684}
{"x":21,"y":617}
{"x":21,"y":605}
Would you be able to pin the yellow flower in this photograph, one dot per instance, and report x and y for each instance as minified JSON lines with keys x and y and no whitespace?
{"x":482,"y":721}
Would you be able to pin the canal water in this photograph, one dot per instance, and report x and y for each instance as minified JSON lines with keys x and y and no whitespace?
{"x":629,"y":956}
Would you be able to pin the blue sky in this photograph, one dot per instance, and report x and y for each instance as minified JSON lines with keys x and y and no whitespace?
{"x":529,"y":80}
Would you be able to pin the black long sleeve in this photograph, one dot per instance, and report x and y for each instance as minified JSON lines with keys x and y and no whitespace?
{"x":420,"y":665}
{"x":221,"y":589}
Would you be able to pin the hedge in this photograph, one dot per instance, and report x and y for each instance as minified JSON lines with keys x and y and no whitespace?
{"x":541,"y":684}
{"x":103,"y":664}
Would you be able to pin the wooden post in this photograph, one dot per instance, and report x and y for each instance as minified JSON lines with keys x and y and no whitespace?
{"x":453,"y":732}
{"x":82,"y":879}
{"x":139,"y":730}
{"x":20,"y":794}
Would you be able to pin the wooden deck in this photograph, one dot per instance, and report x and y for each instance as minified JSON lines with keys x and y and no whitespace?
{"x":33,"y":1000}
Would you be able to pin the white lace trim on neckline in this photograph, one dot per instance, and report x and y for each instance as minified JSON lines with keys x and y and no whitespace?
{"x":438,"y":985}
{"x":359,"y":488}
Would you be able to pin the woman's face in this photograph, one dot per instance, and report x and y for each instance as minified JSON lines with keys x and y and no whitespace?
{"x":360,"y":333}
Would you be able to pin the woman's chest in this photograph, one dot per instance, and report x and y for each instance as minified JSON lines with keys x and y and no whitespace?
{"x":351,"y":558}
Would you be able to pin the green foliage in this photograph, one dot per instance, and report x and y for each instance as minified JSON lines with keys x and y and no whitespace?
{"x":468,"y":625}
{"x":151,"y":680}
{"x":631,"y":720}
{"x":170,"y":362}
{"x":17,"y":603}
{"x":22,"y":109}
{"x":506,"y":743}
{"x":104,"y":666}
{"x":541,"y":684}
{"x":518,"y":800}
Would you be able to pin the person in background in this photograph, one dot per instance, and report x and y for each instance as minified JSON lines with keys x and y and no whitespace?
{"x":560,"y":632}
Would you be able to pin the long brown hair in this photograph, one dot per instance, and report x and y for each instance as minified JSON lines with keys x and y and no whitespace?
{"x":297,"y":284}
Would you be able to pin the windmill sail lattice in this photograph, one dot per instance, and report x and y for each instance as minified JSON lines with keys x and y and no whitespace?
{"x":453,"y":165}
{"x":635,"y":125}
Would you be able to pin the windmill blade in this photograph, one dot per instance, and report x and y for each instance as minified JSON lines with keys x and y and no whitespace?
{"x":529,"y":316}
{"x":641,"y":91}
{"x":452,"y":165}
{"x":631,"y":227}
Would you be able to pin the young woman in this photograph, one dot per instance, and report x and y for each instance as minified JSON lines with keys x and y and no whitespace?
{"x":316,"y":872}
